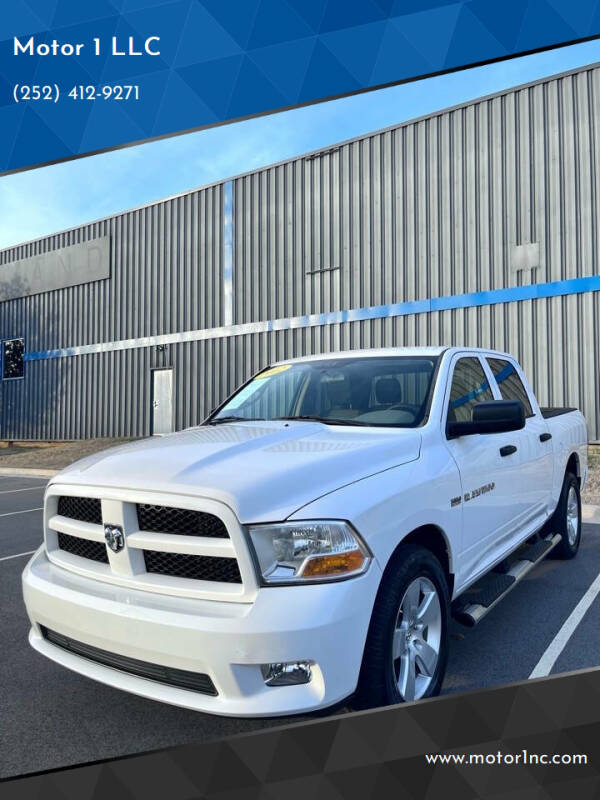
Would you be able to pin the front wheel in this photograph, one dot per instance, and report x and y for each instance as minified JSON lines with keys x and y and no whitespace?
{"x":566,"y":520}
{"x":407,"y":645}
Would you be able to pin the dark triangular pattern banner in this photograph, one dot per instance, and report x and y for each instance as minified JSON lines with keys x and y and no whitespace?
{"x":372,"y":754}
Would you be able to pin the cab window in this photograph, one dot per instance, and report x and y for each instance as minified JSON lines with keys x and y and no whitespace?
{"x":469,"y":387}
{"x":510,"y":385}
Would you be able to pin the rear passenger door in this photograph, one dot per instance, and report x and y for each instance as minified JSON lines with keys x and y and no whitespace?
{"x":535,"y":457}
{"x":489,"y":504}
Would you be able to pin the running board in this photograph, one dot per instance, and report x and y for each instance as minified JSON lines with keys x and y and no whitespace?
{"x":471,"y":607}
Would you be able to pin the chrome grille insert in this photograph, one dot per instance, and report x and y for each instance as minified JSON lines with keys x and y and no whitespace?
{"x":200,"y":568}
{"x":182,"y":521}
{"x":84,"y":548}
{"x":84,"y":509}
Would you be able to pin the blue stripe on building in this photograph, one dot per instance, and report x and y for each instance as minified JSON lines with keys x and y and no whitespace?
{"x":536,"y":291}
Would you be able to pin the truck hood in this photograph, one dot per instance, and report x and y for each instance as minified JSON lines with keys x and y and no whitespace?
{"x":264,"y":471}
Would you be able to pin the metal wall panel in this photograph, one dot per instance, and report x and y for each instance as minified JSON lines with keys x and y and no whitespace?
{"x":439,"y":206}
{"x":166,"y":272}
{"x":430,"y":208}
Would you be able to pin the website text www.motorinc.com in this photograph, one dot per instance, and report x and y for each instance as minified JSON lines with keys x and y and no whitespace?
{"x":523,"y":758}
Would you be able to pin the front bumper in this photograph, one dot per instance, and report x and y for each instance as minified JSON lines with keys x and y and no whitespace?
{"x":325,"y":623}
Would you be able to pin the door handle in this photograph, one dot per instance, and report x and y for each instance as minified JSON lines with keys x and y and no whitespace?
{"x":508,"y":450}
{"x":545,"y":437}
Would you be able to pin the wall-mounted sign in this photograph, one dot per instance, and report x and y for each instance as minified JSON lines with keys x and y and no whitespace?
{"x":525,"y":256}
{"x":57,"y":269}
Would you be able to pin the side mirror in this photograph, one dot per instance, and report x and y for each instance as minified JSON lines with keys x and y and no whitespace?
{"x":495,"y":416}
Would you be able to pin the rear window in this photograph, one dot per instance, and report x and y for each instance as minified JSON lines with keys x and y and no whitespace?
{"x":510,"y":385}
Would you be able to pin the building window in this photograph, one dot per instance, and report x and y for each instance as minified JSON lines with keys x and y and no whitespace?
{"x":12,"y":358}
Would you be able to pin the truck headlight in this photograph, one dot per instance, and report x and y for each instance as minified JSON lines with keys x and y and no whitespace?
{"x":297,"y":552}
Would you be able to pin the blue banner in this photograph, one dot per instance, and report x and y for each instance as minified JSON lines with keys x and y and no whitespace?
{"x":77,"y":77}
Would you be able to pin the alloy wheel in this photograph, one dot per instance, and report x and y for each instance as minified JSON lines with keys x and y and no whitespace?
{"x":417,"y":639}
{"x":572,"y":516}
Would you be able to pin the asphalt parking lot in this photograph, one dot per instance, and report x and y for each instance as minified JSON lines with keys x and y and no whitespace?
{"x":51,"y":717}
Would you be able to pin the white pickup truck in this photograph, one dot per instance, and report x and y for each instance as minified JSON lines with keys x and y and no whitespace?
{"x":308,"y":543}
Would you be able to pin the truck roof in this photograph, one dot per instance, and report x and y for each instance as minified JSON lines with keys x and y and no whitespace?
{"x":389,"y":351}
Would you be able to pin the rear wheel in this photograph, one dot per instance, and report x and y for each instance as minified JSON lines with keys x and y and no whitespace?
{"x":566,"y":519}
{"x":407,"y":645}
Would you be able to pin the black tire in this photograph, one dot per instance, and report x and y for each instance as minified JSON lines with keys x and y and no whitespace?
{"x":378,"y":680}
{"x":559,"y":521}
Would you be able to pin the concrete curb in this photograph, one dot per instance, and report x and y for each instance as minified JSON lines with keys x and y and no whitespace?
{"x":28,"y":473}
{"x":590,"y":513}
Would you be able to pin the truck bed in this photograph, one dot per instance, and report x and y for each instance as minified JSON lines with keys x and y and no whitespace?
{"x":555,"y":411}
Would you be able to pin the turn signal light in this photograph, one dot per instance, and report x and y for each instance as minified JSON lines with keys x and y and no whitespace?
{"x":336,"y":564}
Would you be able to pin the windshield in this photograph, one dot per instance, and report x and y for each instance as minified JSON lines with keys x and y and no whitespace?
{"x":382,"y":391}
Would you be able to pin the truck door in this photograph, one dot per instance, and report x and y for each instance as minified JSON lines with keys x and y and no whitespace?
{"x":535,"y":457}
{"x":491,"y":501}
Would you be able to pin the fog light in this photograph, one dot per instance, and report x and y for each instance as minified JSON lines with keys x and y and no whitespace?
{"x":288,"y":674}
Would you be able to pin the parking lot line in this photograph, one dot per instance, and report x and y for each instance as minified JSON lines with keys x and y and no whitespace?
{"x":18,"y":555}
{"x":27,"y":489}
{"x":25,"y":511}
{"x":558,"y":644}
{"x":11,"y":476}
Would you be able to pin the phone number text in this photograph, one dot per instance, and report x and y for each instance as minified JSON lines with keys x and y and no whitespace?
{"x":52,"y":93}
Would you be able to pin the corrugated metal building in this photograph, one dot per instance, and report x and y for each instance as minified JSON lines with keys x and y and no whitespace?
{"x":476,"y":225}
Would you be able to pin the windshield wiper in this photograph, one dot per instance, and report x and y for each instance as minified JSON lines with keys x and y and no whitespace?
{"x":303,"y":417}
{"x":232,"y":418}
{"x":325,"y":420}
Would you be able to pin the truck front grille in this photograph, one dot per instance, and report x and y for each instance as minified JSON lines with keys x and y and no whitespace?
{"x":183,"y":679}
{"x":199,"y":568}
{"x":171,"y":550}
{"x":84,"y":509}
{"x":182,"y":521}
{"x":84,"y":548}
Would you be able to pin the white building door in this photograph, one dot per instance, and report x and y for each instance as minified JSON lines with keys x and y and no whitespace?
{"x":162,"y":401}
